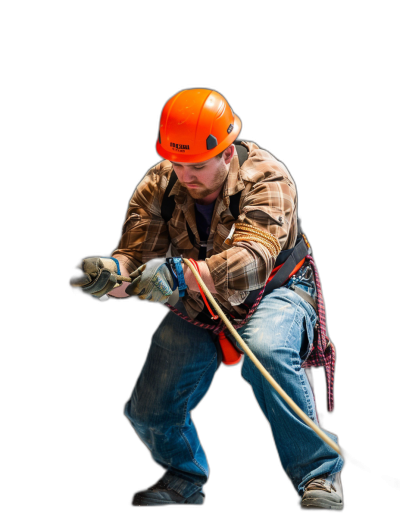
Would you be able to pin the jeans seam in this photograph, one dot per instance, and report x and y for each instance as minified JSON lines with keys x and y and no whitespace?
{"x":307,"y":395}
{"x":191,"y":452}
{"x":294,"y":361}
{"x":291,"y":326}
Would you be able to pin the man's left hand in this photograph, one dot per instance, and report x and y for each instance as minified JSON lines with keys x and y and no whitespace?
{"x":153,"y":282}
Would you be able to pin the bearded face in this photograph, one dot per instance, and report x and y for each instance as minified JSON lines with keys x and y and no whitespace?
{"x":204,"y":180}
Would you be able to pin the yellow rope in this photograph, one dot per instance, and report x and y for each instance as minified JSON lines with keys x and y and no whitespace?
{"x":244,"y":232}
{"x":249,"y":353}
{"x":260,"y":367}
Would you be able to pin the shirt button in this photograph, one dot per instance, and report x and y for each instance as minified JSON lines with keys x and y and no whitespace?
{"x":280,"y":219}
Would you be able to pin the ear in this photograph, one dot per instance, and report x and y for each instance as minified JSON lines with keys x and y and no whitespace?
{"x":229,"y":153}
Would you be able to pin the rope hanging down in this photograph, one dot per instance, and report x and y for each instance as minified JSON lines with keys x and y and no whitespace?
{"x":253,"y":358}
{"x":259,"y":366}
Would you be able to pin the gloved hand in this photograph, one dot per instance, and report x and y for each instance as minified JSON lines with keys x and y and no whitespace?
{"x":154,"y":282}
{"x":100,"y":276}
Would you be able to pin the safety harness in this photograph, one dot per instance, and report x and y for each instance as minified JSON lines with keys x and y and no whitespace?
{"x":288,"y":262}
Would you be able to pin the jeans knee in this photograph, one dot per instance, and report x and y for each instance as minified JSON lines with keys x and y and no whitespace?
{"x":137,"y":413}
{"x":272,"y":353}
{"x":130,"y":410}
{"x":146,"y":414}
{"x":262,"y":346}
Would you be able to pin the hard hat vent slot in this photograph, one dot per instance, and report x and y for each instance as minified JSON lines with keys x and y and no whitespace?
{"x":212,"y":142}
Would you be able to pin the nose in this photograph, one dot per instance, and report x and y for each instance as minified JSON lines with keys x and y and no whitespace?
{"x":185,"y":175}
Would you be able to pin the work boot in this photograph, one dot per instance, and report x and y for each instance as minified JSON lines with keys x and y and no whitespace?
{"x":160,"y":494}
{"x":324,"y":492}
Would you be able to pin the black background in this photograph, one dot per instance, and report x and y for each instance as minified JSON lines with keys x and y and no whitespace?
{"x":329,"y":125}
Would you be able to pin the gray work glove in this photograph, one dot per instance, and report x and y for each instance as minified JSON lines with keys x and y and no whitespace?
{"x":99,"y":276}
{"x":153,"y":281}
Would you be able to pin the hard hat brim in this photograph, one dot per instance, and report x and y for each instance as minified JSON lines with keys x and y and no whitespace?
{"x":207,"y":155}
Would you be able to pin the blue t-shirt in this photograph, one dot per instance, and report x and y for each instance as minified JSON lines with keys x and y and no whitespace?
{"x":204,"y":214}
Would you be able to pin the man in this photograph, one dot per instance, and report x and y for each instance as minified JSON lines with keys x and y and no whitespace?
{"x":238,"y":220}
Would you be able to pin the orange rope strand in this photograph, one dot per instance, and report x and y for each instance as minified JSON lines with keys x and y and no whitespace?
{"x":195,"y":264}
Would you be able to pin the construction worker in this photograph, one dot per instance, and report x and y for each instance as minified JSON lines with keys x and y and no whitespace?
{"x":231,"y":207}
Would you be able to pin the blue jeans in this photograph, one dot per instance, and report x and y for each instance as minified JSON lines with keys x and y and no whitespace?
{"x":179,"y":369}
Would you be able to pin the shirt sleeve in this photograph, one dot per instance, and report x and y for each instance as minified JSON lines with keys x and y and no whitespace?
{"x":145,"y":233}
{"x":271,"y":205}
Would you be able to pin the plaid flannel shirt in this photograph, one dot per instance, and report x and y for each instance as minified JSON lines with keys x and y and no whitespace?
{"x":268,"y":201}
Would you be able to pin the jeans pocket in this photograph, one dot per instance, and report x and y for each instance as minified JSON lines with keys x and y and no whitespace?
{"x":309,"y":321}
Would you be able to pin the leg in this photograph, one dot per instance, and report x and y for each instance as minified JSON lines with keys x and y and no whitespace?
{"x":279,"y":334}
{"x":177,"y":373}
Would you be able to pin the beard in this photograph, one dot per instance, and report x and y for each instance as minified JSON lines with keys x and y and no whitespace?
{"x":202,"y":191}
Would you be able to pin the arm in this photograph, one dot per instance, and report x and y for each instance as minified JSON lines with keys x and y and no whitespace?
{"x":144,"y":238}
{"x":270,"y":206}
{"x":205,"y":276}
{"x":145,"y":233}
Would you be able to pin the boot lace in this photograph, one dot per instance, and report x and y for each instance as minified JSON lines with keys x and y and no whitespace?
{"x":319,"y":484}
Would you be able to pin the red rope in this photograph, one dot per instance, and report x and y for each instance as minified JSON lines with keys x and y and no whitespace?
{"x":195,"y":264}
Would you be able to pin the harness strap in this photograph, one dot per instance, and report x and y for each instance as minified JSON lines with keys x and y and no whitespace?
{"x":234,"y":200}
{"x":168,"y":202}
{"x":306,"y":296}
{"x":285,"y":267}
{"x":299,"y":252}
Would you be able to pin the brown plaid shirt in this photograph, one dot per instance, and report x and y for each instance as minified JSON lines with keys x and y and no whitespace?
{"x":268,"y":201}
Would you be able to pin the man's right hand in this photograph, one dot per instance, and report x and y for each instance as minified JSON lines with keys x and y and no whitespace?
{"x":100,"y":275}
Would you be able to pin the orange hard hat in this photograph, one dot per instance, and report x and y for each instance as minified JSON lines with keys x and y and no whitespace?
{"x":196,"y":125}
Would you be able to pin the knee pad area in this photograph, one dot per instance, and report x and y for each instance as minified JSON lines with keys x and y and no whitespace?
{"x":278,"y":340}
{"x":149,"y":413}
{"x":276,"y":354}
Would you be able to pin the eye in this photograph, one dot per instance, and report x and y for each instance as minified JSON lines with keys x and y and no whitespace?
{"x":198,"y":167}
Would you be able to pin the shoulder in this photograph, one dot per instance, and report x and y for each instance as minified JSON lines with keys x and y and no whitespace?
{"x":149,"y":192}
{"x":157,"y":176}
{"x":155,"y":181}
{"x":261,"y":165}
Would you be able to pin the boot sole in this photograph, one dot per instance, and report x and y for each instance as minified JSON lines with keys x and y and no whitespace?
{"x":145,"y":501}
{"x":318,"y":503}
